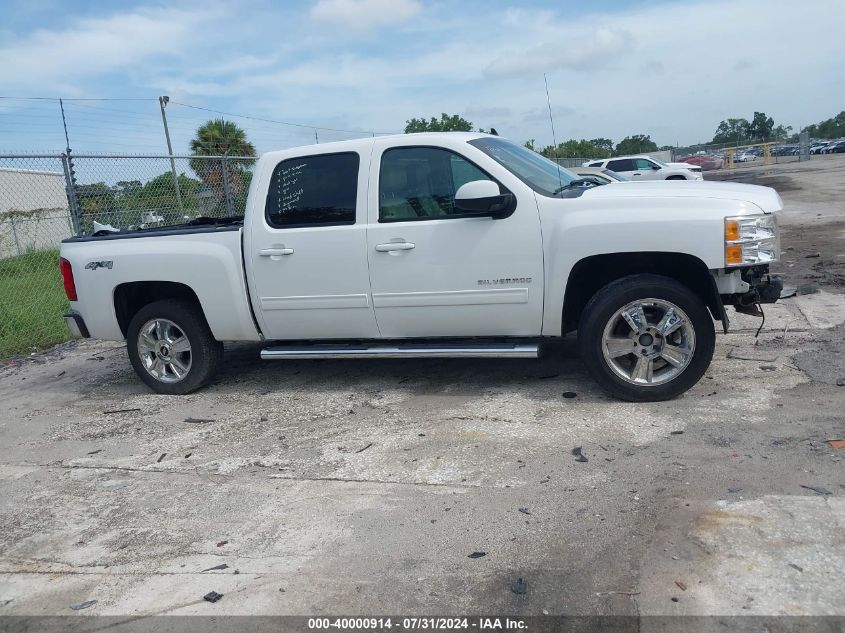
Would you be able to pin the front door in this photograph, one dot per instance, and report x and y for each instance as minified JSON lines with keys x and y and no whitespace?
{"x":308,"y":250}
{"x":435,"y":274}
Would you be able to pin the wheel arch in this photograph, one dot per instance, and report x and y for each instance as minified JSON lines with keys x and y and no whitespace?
{"x":592,"y":273}
{"x":132,"y":296}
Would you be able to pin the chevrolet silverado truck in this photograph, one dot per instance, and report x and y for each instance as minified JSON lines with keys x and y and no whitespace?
{"x":434,"y":245}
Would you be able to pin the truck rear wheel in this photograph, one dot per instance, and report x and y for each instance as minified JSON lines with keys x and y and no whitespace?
{"x":172,"y":348}
{"x":646,"y":338}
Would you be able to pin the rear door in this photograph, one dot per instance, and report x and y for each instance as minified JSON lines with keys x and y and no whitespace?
{"x":624,"y":166}
{"x":436,"y":274}
{"x":307,"y":250}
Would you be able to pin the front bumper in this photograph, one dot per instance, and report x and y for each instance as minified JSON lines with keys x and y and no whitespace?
{"x":76,"y":325}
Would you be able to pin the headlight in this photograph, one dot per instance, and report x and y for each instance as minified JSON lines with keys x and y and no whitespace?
{"x":751,"y":239}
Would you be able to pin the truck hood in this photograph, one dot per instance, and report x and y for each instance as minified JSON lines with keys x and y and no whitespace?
{"x":764,"y":197}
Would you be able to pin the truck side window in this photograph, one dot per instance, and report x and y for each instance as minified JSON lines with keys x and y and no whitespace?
{"x":644,"y":164}
{"x":621,"y":164}
{"x":313,"y":190}
{"x":419,"y":183}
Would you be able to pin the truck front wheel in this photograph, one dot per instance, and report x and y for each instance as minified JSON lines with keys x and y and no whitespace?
{"x":172,"y":348}
{"x":646,"y":338}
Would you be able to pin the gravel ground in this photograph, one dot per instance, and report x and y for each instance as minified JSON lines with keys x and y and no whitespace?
{"x":363,"y":487}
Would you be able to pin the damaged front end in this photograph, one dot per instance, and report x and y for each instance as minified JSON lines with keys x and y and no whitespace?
{"x":747,"y":288}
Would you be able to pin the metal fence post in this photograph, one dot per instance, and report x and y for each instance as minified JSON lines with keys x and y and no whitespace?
{"x":15,"y":234}
{"x":72,"y":200}
{"x":227,"y":187}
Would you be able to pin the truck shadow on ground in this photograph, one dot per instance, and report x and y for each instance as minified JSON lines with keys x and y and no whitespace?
{"x":559,"y":367}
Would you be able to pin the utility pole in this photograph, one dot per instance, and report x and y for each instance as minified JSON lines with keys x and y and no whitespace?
{"x":70,"y":180}
{"x":162,"y":101}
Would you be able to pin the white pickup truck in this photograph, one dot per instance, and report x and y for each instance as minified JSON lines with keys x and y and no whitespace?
{"x":435,"y":245}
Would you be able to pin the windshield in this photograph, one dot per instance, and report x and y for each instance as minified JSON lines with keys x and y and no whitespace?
{"x":539,"y":173}
{"x":659,"y":162}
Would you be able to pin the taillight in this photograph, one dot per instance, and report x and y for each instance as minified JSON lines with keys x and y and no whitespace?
{"x":67,"y":278}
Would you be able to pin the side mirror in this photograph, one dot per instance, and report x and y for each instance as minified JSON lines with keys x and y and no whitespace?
{"x":655,"y":167}
{"x":482,"y":197}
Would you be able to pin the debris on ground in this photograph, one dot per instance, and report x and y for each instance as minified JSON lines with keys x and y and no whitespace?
{"x":813,"y":255}
{"x":798,"y":567}
{"x":734,"y":489}
{"x":818,"y":490}
{"x":361,"y":450}
{"x":198,"y":420}
{"x":222,"y":543}
{"x":788,"y":292}
{"x":477,"y":555}
{"x":836,"y":443}
{"x":675,"y":598}
{"x":83,"y":605}
{"x":768,"y":367}
{"x":676,"y":432}
{"x":120,"y":411}
{"x":161,"y":457}
{"x":737,"y":356}
{"x":519,"y":586}
{"x":569,"y":394}
{"x":579,"y":456}
{"x":216,"y":567}
{"x":525,"y":510}
{"x":212,"y":596}
{"x":681,"y":585}
{"x":840,"y":382}
{"x":547,"y":376}
{"x":99,"y":450}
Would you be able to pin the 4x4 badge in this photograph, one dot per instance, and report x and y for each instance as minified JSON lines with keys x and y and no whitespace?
{"x":95,"y":265}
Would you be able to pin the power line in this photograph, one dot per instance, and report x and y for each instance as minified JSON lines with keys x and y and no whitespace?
{"x":255,"y":118}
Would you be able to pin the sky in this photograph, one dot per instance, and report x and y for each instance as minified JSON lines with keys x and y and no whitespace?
{"x":669,"y":69}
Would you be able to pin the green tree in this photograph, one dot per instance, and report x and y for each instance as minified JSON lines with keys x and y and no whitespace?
{"x":635,"y":144}
{"x":731,"y":131}
{"x":219,"y":137}
{"x":761,"y":126}
{"x":833,"y":127}
{"x":446,"y":123}
{"x":604,"y":146}
{"x":530,"y":144}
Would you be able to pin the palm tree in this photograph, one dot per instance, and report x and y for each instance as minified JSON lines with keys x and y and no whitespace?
{"x":219,"y":137}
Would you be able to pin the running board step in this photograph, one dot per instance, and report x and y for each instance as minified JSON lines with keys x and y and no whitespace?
{"x":505,"y":350}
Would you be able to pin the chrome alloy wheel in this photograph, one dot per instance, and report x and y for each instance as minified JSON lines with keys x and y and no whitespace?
{"x":648,"y":342}
{"x":165,"y":350}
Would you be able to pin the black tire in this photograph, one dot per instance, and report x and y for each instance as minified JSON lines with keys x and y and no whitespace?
{"x":675,"y":178}
{"x":618,"y":294}
{"x":205,"y":354}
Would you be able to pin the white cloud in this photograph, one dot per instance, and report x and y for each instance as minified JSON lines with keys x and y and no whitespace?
{"x":564,"y":50}
{"x":59,"y":60}
{"x":364,"y":15}
{"x":668,"y":69}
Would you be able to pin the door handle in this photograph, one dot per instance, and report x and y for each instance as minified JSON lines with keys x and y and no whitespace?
{"x":636,"y":173}
{"x":394,"y":246}
{"x":275,"y":252}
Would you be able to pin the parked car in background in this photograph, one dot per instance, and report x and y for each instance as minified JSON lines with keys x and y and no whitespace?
{"x":600,"y":175}
{"x":706,"y":162}
{"x":835,"y":148}
{"x":745,"y":156}
{"x":647,"y":168}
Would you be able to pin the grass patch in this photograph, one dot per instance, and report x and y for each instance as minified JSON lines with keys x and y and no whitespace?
{"x":32,"y":301}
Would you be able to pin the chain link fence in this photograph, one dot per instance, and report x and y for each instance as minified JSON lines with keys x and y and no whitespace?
{"x":742,"y":153}
{"x":47,"y":198}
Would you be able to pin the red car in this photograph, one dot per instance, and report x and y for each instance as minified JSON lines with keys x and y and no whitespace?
{"x":705,"y":161}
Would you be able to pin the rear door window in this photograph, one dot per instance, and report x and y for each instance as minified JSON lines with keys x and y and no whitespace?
{"x":621,"y":164}
{"x":313,"y":191}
